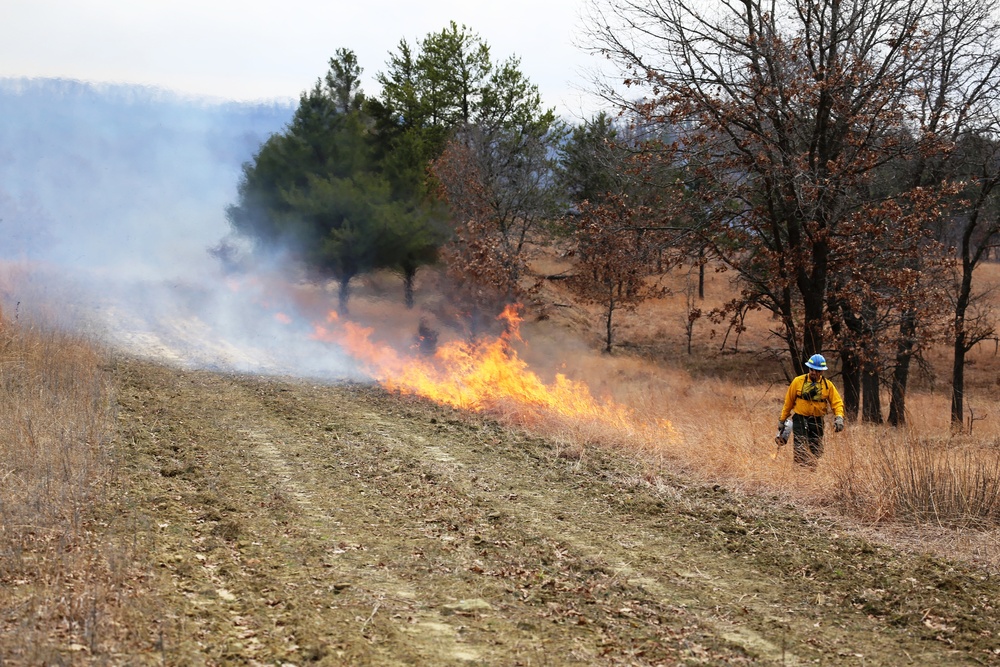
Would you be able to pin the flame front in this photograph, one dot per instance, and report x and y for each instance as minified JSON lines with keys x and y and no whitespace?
{"x":481,"y":376}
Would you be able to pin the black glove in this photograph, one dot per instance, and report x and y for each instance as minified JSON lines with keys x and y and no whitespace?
{"x":838,"y":424}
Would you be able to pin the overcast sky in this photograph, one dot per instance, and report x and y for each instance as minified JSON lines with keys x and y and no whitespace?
{"x":265,"y":49}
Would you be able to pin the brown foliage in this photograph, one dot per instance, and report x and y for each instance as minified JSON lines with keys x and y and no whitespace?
{"x":804,"y":124}
{"x":494,"y":215}
{"x":616,"y":254}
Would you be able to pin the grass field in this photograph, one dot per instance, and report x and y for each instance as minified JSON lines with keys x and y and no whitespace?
{"x":71,"y":581}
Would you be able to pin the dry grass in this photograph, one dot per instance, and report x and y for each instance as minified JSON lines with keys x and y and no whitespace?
{"x":722,"y":403}
{"x":924,"y":482}
{"x":62,"y":584}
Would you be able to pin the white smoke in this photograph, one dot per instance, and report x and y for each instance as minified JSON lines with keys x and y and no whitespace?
{"x":111,"y":198}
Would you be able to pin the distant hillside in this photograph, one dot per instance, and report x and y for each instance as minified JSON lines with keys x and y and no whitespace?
{"x":99,"y":174}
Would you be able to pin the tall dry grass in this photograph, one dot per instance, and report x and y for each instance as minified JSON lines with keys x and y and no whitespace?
{"x":713,"y":414}
{"x":924,"y":482}
{"x":62,"y":584}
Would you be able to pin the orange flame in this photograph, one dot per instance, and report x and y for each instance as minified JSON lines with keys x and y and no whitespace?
{"x":479,"y":376}
{"x":482,"y":376}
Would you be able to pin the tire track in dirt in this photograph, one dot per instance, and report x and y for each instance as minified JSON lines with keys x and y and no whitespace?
{"x":438,"y":641}
{"x":742,"y":604}
{"x":299,"y":527}
{"x":410,"y":570}
{"x":535,"y":512}
{"x":668,"y":580}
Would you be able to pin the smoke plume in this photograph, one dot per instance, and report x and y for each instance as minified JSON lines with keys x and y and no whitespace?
{"x":111,"y":200}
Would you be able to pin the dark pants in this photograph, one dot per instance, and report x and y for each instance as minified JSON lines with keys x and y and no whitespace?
{"x":808,"y":443}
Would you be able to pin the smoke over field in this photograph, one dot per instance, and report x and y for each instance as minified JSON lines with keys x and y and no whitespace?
{"x":111,"y":199}
{"x":112,"y":203}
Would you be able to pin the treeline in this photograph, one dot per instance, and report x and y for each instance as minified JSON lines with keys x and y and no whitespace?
{"x":841,"y":158}
{"x":455,"y":162}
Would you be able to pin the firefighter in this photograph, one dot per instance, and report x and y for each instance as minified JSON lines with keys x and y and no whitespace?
{"x":808,"y":399}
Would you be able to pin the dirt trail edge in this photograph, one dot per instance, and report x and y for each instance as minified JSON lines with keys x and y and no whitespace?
{"x":297,"y":523}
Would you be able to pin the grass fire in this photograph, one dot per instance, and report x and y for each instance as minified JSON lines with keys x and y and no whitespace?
{"x":485,"y":375}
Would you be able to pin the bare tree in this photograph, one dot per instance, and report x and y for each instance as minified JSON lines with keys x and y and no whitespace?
{"x":498,"y":185}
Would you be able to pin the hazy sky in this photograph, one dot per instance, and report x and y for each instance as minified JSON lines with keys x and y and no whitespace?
{"x":254,"y":49}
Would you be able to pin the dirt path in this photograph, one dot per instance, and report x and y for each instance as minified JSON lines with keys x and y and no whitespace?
{"x":292,"y":523}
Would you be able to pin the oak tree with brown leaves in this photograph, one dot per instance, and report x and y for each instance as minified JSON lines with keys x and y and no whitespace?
{"x":615,"y":258}
{"x":499,"y":185}
{"x":804,"y":119}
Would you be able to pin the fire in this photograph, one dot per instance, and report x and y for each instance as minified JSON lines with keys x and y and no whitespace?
{"x":480,"y":376}
{"x":486,"y":375}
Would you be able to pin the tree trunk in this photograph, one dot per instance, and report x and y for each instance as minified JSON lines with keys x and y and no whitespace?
{"x":897,"y":399}
{"x":958,"y":381}
{"x":813,"y":291}
{"x":790,"y":335}
{"x":812,"y":334}
{"x":689,"y":331}
{"x":851,"y":372}
{"x":701,"y":274}
{"x":409,"y":273}
{"x":901,"y":374}
{"x":847,"y":330}
{"x":872,"y":402}
{"x":608,"y":319}
{"x":343,"y":295}
{"x":961,"y":345}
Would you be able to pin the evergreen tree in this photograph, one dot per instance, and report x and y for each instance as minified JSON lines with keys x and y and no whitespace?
{"x":318,"y":191}
{"x":454,"y":66}
{"x":591,"y":164}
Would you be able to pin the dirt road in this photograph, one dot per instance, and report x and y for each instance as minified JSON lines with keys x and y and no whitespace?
{"x":297,"y":523}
